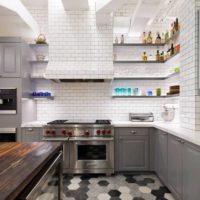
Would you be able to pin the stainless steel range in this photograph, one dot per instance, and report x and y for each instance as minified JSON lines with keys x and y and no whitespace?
{"x":88,"y":146}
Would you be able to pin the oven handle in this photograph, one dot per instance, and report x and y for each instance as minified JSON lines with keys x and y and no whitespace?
{"x":90,"y":139}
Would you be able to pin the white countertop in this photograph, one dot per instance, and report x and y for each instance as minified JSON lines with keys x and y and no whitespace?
{"x":169,"y":127}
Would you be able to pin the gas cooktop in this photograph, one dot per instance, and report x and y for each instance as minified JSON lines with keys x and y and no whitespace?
{"x":60,"y":122}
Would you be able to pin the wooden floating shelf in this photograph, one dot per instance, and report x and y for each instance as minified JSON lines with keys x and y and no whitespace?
{"x":144,"y":62}
{"x":148,"y":45}
{"x":42,"y":97}
{"x":146,"y":97}
{"x":38,"y":61}
{"x":147,"y":78}
{"x":39,"y":45}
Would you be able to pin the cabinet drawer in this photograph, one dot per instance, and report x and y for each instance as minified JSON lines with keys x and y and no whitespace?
{"x":133,"y":131}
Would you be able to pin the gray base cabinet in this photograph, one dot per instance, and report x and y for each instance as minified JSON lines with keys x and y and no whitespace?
{"x":132,"y":149}
{"x":191,"y":172}
{"x":32,"y":134}
{"x":175,"y":166}
{"x":161,"y":155}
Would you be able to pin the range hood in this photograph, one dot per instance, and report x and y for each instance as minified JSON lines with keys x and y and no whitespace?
{"x":78,"y":54}
{"x":61,"y":72}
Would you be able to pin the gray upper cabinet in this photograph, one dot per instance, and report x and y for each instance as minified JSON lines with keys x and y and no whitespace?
{"x":32,"y":134}
{"x":132,"y":149}
{"x":175,"y":166}
{"x":191,"y":172}
{"x":10,"y":60}
{"x":161,"y":155}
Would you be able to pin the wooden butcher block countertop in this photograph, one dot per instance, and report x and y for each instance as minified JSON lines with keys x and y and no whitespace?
{"x":20,"y":163}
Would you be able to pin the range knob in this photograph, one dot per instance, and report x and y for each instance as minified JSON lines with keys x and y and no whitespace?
{"x":98,"y":132}
{"x":47,"y":132}
{"x":108,"y":132}
{"x":87,"y":133}
{"x":69,"y":133}
{"x":103,"y":132}
{"x":53,"y":132}
{"x":64,"y":132}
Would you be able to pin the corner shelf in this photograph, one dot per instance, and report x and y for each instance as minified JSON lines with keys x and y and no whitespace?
{"x":148,"y":45}
{"x":38,"y":45}
{"x":145,"y":97}
{"x":42,"y":97}
{"x":147,"y":78}
{"x":141,"y":61}
{"x":137,"y":61}
{"x":38,"y":61}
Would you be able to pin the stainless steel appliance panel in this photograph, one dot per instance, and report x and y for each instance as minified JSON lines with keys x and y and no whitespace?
{"x":8,"y":101}
{"x":8,"y":134}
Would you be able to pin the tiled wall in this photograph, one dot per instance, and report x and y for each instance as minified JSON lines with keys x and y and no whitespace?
{"x":90,"y":100}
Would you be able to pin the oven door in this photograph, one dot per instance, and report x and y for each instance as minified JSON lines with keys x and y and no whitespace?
{"x":8,"y":101}
{"x":7,"y":134}
{"x":90,"y":154}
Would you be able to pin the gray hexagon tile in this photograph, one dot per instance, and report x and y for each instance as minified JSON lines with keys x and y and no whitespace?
{"x":117,"y":187}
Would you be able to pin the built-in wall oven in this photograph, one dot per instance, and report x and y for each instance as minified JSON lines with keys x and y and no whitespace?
{"x":8,"y":101}
{"x":8,"y":134}
{"x":92,"y":155}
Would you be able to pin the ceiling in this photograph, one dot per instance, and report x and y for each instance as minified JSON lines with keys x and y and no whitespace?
{"x":35,"y":3}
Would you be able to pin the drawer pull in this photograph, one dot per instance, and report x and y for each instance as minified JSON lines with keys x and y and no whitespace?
{"x":30,"y":129}
{"x":133,"y":132}
{"x":179,"y":140}
{"x":182,"y":141}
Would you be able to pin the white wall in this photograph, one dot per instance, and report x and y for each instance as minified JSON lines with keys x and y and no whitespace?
{"x":89,"y":100}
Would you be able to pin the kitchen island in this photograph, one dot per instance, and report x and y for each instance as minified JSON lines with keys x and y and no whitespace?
{"x":21,"y":163}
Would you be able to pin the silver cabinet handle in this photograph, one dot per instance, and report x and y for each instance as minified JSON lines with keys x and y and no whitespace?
{"x":30,"y":129}
{"x":133,"y":132}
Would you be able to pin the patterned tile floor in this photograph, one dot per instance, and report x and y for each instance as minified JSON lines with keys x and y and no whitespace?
{"x":117,"y":187}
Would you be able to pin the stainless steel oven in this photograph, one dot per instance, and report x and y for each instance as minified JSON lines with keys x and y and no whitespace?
{"x":43,"y":187}
{"x":8,"y":101}
{"x":92,"y":155}
{"x":8,"y":134}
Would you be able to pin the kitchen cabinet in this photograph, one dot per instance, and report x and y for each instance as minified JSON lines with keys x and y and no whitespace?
{"x":10,"y":60}
{"x":32,"y":134}
{"x":191,"y":174}
{"x":175,"y":166}
{"x":161,"y":155}
{"x":132,"y":153}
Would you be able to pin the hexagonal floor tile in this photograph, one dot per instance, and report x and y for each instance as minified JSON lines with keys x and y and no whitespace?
{"x":103,"y":183}
{"x":126,"y":197}
{"x":103,"y":196}
{"x":169,"y":196}
{"x":138,"y":198}
{"x":149,"y":180}
{"x":124,"y":189}
{"x":76,"y":179}
{"x":114,"y":193}
{"x":130,"y":180}
{"x":73,"y":186}
{"x":145,"y":190}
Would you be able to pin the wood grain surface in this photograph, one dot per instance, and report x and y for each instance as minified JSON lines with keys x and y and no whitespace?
{"x":20,"y":163}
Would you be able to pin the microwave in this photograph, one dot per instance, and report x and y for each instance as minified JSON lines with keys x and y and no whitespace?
{"x":8,"y":101}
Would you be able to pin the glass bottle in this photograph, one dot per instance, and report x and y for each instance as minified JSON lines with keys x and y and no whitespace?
{"x":144,"y":38}
{"x":157,"y":55}
{"x":122,"y":39}
{"x":149,"y":38}
{"x":144,"y":56}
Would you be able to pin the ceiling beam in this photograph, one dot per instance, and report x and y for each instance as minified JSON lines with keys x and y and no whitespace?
{"x":75,"y":4}
{"x":17,"y":7}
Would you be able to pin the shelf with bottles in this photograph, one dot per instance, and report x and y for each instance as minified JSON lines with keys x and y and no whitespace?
{"x":148,"y":77}
{"x":146,"y":97}
{"x":159,"y":40}
{"x":160,"y":57}
{"x":41,"y":95}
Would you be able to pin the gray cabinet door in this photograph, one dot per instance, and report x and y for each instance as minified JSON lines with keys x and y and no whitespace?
{"x":175,"y":166}
{"x":32,"y":135}
{"x":191,"y":172}
{"x":133,"y":153}
{"x":162,"y":156}
{"x":10,"y":60}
